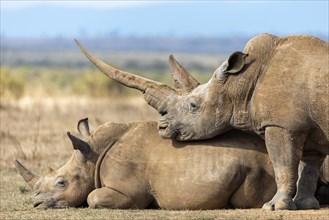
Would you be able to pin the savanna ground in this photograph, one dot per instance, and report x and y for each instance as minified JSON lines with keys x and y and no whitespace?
{"x":39,"y":104}
{"x":34,"y":131}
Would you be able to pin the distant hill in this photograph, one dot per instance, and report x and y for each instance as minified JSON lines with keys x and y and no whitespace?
{"x":159,"y":44}
{"x":140,"y":54}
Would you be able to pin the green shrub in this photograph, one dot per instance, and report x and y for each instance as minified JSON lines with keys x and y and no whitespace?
{"x":11,"y":84}
{"x":92,"y":83}
{"x":59,"y":81}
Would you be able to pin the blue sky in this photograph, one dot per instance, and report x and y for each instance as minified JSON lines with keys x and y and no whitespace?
{"x":154,"y":18}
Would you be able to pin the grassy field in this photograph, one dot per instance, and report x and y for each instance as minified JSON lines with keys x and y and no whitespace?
{"x":34,"y":131}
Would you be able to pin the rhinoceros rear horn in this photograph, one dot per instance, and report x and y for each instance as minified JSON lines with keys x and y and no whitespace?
{"x":155,"y":92}
{"x":184,"y":82}
{"x":28,"y":176}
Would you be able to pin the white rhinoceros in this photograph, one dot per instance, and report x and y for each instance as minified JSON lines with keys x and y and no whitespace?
{"x":131,"y":166}
{"x":278,"y":87}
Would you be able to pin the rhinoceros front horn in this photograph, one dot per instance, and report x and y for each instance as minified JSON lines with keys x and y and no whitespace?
{"x":28,"y":176}
{"x":155,"y":93}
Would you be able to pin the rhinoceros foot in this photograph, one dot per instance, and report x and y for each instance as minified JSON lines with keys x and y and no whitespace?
{"x":307,"y":203}
{"x":280,"y":202}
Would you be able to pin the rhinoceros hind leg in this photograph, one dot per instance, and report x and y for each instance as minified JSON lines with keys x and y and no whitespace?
{"x":109,"y":198}
{"x":306,"y":185}
{"x":322,"y":193}
{"x":307,"y":203}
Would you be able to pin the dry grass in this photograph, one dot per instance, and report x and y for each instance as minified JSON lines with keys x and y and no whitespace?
{"x":34,"y":131}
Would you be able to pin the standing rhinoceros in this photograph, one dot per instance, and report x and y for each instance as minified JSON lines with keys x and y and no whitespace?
{"x":277,"y":87}
{"x":130,"y":166}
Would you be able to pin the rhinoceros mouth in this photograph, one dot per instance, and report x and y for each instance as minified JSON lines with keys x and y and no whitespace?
{"x":180,"y":133}
{"x":165,"y":131}
{"x":163,"y":125}
{"x":183,"y":135}
{"x":39,"y":204}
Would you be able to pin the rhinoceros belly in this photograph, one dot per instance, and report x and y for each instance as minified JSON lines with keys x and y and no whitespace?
{"x":195,"y":178}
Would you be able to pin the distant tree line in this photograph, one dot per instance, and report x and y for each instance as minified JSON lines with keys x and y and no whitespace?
{"x":171,"y":44}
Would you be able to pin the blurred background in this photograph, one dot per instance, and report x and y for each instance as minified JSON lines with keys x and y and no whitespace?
{"x":40,"y":58}
{"x":47,"y":84}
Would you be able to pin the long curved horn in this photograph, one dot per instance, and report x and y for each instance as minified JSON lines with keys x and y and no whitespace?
{"x":28,"y":176}
{"x":184,"y":82}
{"x":155,"y":91}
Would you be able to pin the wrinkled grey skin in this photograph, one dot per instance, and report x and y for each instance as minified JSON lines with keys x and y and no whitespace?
{"x":277,"y":88}
{"x":131,"y":166}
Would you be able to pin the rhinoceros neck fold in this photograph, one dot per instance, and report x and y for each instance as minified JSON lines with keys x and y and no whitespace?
{"x":242,"y":111}
{"x":242,"y":86}
{"x":241,"y":89}
{"x":98,"y":164}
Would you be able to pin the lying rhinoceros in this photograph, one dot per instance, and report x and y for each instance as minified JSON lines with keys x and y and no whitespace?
{"x":131,"y":166}
{"x":277,"y":87}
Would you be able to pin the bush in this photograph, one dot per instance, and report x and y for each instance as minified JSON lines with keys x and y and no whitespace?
{"x":12,"y":85}
{"x":95,"y":84}
{"x":59,"y":81}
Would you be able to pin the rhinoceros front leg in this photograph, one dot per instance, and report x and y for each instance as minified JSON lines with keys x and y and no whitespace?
{"x":109,"y":198}
{"x":285,"y":151}
{"x":306,"y":185}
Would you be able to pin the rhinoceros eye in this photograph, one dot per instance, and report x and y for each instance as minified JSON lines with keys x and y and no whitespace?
{"x":193,"y":106}
{"x":61,"y":183}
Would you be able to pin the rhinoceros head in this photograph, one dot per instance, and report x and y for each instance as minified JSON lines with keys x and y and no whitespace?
{"x":198,"y":111}
{"x":68,"y":186}
{"x":189,"y":111}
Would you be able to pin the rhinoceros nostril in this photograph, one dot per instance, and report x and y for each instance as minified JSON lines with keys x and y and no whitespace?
{"x":37,"y":203}
{"x":163,"y":112}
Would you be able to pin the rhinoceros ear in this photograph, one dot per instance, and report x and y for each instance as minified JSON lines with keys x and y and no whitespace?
{"x":235,"y":63}
{"x":79,"y":144}
{"x":83,"y":127}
